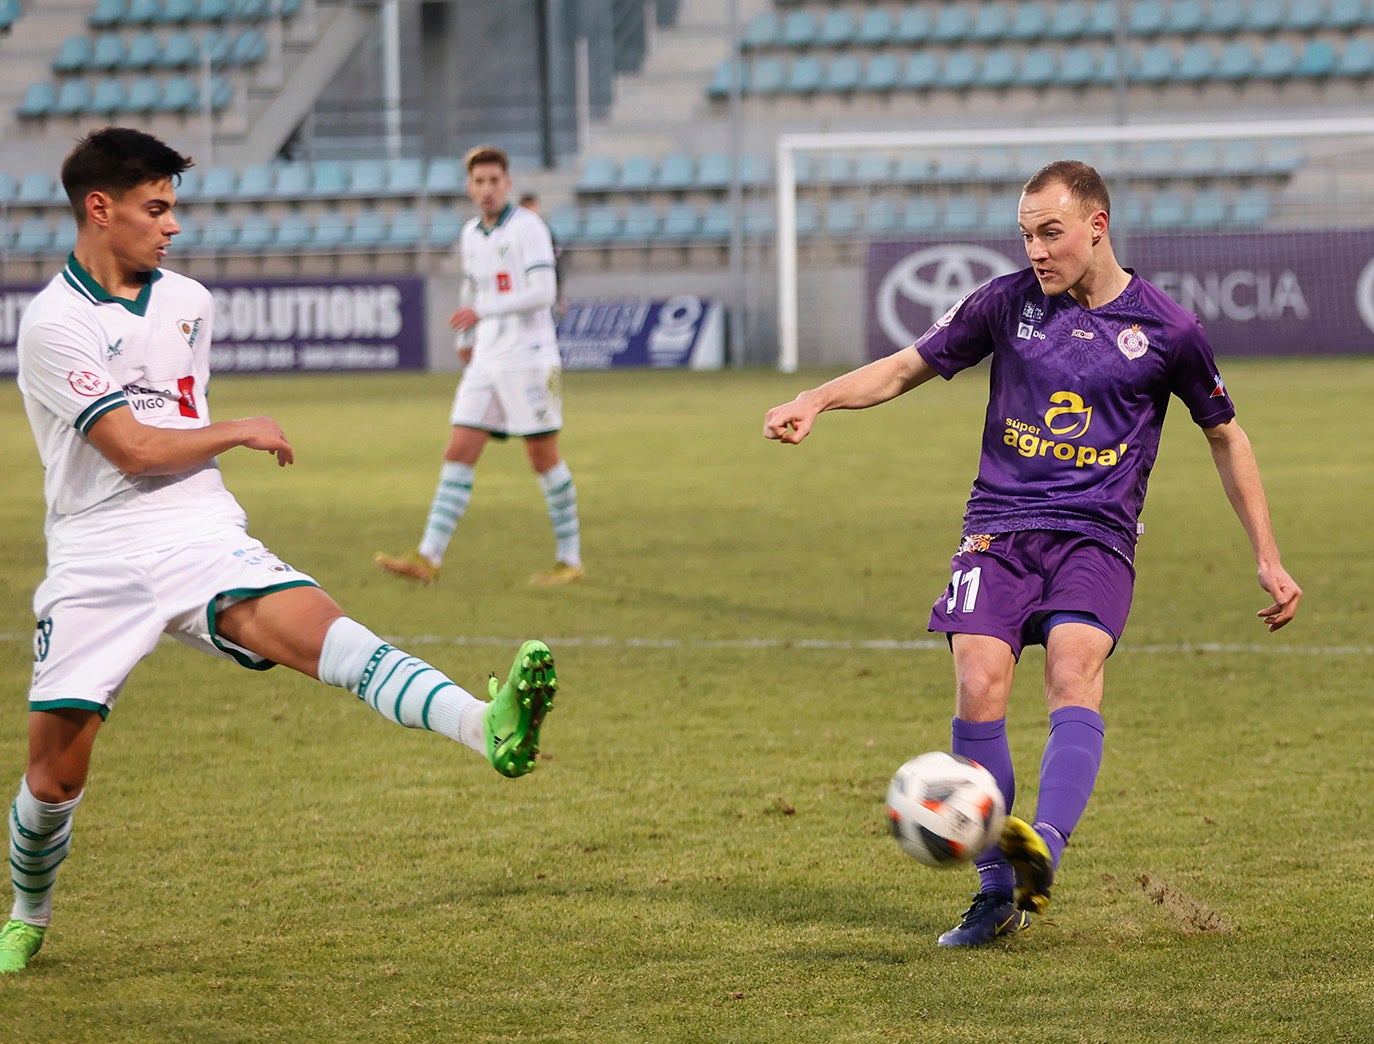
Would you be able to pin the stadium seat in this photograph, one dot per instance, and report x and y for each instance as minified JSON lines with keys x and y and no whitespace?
{"x":713,"y":171}
{"x":600,"y":225}
{"x":1277,"y":60}
{"x":444,"y":226}
{"x":333,"y":229}
{"x":107,"y":14}
{"x":73,"y":98}
{"x":34,"y":237}
{"x":881,"y":73}
{"x":844,"y":74}
{"x":798,"y":29}
{"x":188,"y":184}
{"x":145,"y":51}
{"x":218,"y":44}
{"x":960,"y":70}
{"x":220,"y":234}
{"x":39,"y":100}
{"x":1240,"y":158}
{"x":1196,"y":159}
{"x":763,"y":30}
{"x":599,"y":174}
{"x":1266,"y":16}
{"x":328,"y":179}
{"x":256,"y":232}
{"x":371,"y":229}
{"x":963,"y":212}
{"x":1168,"y":209}
{"x":37,"y":188}
{"x":109,"y":52}
{"x":1317,"y":61}
{"x":1069,"y":20}
{"x":143,"y":12}
{"x":178,"y":12}
{"x":1186,"y":17}
{"x":676,"y":172}
{"x":405,"y":177}
{"x":882,"y":215}
{"x":913,"y":26}
{"x":841,"y":217}
{"x":108,"y":96}
{"x":212,"y":10}
{"x":641,"y":223}
{"x":921,"y":215}
{"x":1282,"y":156}
{"x":1128,"y":209}
{"x":716,"y":222}
{"x":74,"y":56}
{"x":990,"y":24}
{"x":761,"y":219}
{"x":249,"y":11}
{"x":876,"y":27}
{"x":408,"y":229}
{"x":720,"y":84}
{"x":1250,"y":207}
{"x":1225,"y":17}
{"x":180,"y":94}
{"x":637,"y":174}
{"x":219,"y":183}
{"x":1195,"y":63}
{"x":1236,"y":62}
{"x":367,"y":178}
{"x":998,"y":68}
{"x":805,"y":75}
{"x":446,"y":177}
{"x":180,"y":50}
{"x":1207,"y":209}
{"x":1038,"y":65}
{"x":768,"y":76}
{"x":921,"y":72}
{"x":953,"y":24}
{"x":1356,"y":59}
{"x":190,"y":236}
{"x":1304,"y":16}
{"x":872,"y":169}
{"x":287,"y":180}
{"x":1154,"y":64}
{"x":1029,"y":22}
{"x":836,"y":29}
{"x":258,"y":181}
{"x":294,"y":232}
{"x":755,"y":171}
{"x":1146,"y":18}
{"x":249,"y":48}
{"x":10,"y":12}
{"x":681,"y":222}
{"x":1346,"y":14}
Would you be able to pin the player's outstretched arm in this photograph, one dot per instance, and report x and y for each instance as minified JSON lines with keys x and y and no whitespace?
{"x":141,"y":449}
{"x":869,"y":385}
{"x":1240,"y":477}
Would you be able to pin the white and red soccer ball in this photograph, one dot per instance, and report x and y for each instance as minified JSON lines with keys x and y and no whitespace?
{"x":944,"y":809}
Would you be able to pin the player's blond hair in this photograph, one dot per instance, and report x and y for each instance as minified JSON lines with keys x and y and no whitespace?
{"x":486,"y":154}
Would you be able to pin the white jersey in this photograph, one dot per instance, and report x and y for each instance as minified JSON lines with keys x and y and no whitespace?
{"x":497,"y":264}
{"x":83,"y":353}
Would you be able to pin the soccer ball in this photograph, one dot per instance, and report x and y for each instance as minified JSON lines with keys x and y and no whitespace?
{"x":945,"y":809}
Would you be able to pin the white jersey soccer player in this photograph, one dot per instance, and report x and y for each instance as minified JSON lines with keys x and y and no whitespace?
{"x":508,"y":269}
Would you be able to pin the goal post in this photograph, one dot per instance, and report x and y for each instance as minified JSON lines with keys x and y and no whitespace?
{"x":1181,"y":194}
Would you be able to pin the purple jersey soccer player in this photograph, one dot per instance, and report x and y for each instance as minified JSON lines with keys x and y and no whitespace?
{"x":1085,"y":356}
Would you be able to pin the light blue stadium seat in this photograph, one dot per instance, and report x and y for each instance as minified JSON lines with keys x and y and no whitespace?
{"x":220,"y":183}
{"x":1168,"y":209}
{"x":367,"y":178}
{"x":836,"y":168}
{"x":798,"y":29}
{"x":249,"y":11}
{"x":258,"y":181}
{"x":719,"y":87}
{"x":145,"y":51}
{"x":882,"y":215}
{"x":445,"y":225}
{"x":180,"y":50}
{"x":1156,"y":158}
{"x":371,"y":229}
{"x":913,"y":26}
{"x":1128,"y":210}
{"x":405,"y":177}
{"x":408,"y":229}
{"x":212,"y":10}
{"x":1154,"y":64}
{"x":294,"y":232}
{"x":1146,"y":18}
{"x":876,"y":27}
{"x":921,"y":72}
{"x":836,"y":29}
{"x":637,"y":174}
{"x":913,"y":168}
{"x":960,"y":70}
{"x":1236,"y":62}
{"x":1029,"y":22}
{"x":676,"y":172}
{"x":1208,"y":209}
{"x":844,"y":73}
{"x":1196,"y":159}
{"x":768,"y":76}
{"x":178,"y":12}
{"x":1347,"y":14}
{"x":36,"y":188}
{"x":755,"y":171}
{"x":109,"y":52}
{"x":1225,"y":17}
{"x":188,"y":183}
{"x":220,"y":234}
{"x":641,"y":223}
{"x":256,"y":232}
{"x":921,"y":215}
{"x":763,"y":30}
{"x":73,"y":98}
{"x":1305,"y":16}
{"x":963,"y":212}
{"x":996,"y":164}
{"x":1357,"y":59}
{"x":1038,"y":65}
{"x":805,"y":75}
{"x":716,"y":222}
{"x":998,"y":68}
{"x":681,"y":222}
{"x":249,"y":48}
{"x":1282,"y":156}
{"x":333,"y":229}
{"x":446,"y":177}
{"x":1240,"y":158}
{"x":999,"y":213}
{"x":74,"y":56}
{"x":1318,"y":60}
{"x":40,"y":99}
{"x":808,"y":219}
{"x":600,"y":225}
{"x":713,"y":172}
{"x":1101,"y":20}
{"x":1277,"y":60}
{"x":599,"y":174}
{"x":288,"y":180}
{"x":1250,"y":207}
{"x":953,"y":24}
{"x":881,"y":73}
{"x":565,"y":223}
{"x":9,"y":186}
{"x":1069,"y":20}
{"x":872,"y":168}
{"x":761,"y":219}
{"x":1186,"y":17}
{"x":107,"y":14}
{"x":218,"y":44}
{"x":34,"y":238}
{"x":841,"y":217}
{"x":108,"y":96}
{"x":1195,"y":63}
{"x":1266,"y":16}
{"x":191,"y":234}
{"x":143,"y":12}
{"x":10,"y":12}
{"x":991,"y":23}
{"x":328,"y":179}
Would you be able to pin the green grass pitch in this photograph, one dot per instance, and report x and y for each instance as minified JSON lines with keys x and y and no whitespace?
{"x":701,"y":855}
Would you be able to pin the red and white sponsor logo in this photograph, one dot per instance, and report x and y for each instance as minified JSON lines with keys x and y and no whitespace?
{"x":503,"y":282}
{"x":1219,"y":391}
{"x":89,"y":384}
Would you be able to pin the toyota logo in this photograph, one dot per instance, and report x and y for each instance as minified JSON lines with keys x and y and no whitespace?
{"x":935,"y":280}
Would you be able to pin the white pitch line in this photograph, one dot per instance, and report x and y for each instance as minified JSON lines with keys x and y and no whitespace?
{"x":833,"y":644}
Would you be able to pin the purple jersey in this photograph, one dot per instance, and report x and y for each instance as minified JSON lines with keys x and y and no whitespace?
{"x":1077,"y":401}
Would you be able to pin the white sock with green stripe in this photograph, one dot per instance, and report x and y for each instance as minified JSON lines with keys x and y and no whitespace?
{"x":561,"y":497}
{"x":400,"y":687}
{"x":451,"y":499}
{"x":40,"y":838}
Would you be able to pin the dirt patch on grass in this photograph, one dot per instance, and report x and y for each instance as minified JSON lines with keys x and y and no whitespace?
{"x":1192,"y":916}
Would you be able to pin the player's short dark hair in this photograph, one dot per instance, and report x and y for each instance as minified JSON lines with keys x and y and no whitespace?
{"x":1084,"y":183}
{"x":526,"y":198}
{"x":486,"y":154}
{"x":115,"y":160}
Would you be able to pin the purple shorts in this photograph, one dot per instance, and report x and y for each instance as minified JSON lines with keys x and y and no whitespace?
{"x":1007,"y":586}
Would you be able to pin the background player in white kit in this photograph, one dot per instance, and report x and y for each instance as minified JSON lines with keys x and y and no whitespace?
{"x":144,"y":538}
{"x":511,"y":387}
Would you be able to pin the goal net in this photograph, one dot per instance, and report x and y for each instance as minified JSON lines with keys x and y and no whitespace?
{"x":1265,"y":229}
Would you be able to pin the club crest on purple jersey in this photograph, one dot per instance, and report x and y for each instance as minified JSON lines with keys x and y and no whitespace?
{"x":1133,"y":342}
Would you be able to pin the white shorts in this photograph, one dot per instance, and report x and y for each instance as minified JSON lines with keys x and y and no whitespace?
{"x":97,"y":618}
{"x":515,"y":402}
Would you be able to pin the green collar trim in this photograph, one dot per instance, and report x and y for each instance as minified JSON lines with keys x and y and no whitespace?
{"x":81,"y":281}
{"x":487,"y":230}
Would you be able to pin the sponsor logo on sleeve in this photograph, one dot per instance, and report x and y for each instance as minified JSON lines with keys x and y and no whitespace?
{"x":190,"y":329}
{"x":1219,"y":390}
{"x":90,"y":385}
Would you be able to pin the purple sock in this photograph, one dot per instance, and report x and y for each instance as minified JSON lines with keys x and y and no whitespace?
{"x":1068,"y":770}
{"x":986,"y":743}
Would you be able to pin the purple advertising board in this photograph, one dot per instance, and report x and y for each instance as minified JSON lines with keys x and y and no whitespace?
{"x":290,"y":326}
{"x":683,"y":331}
{"x":1276,"y":293}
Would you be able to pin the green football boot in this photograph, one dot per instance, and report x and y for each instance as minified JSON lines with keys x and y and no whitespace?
{"x":518,"y":709}
{"x":19,"y":941}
